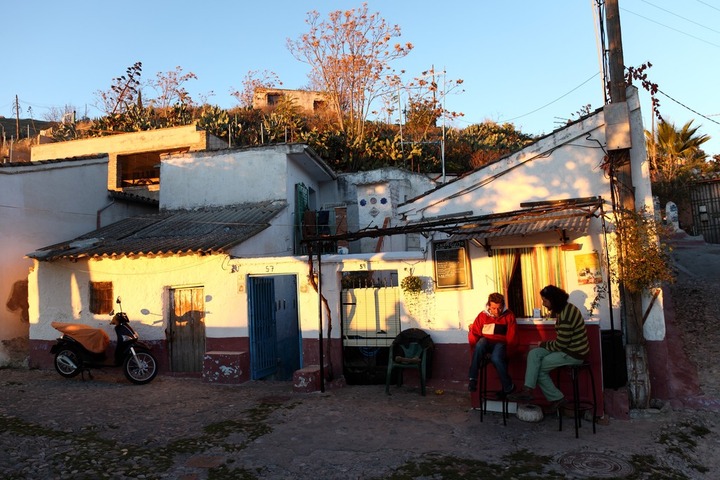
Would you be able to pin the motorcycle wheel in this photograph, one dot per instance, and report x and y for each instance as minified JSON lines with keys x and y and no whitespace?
{"x":64,"y":361}
{"x":141,"y":368}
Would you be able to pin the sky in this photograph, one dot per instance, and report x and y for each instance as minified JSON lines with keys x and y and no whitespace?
{"x":532,"y":64}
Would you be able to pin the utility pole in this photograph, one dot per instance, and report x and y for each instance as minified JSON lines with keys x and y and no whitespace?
{"x":621,"y":170}
{"x":17,"y":118}
{"x":619,"y":158}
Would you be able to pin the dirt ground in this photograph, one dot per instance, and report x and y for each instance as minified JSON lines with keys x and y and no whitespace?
{"x":185,"y":428}
{"x":696,"y":298}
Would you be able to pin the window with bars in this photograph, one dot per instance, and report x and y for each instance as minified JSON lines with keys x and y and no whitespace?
{"x":101,"y":297}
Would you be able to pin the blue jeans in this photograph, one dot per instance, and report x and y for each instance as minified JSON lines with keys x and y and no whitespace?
{"x":498,"y":357}
{"x":540,"y":362}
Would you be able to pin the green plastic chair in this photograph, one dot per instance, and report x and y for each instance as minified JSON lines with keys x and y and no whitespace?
{"x":413,"y":356}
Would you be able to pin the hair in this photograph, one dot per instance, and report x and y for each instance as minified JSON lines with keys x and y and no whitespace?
{"x":496,"y":298}
{"x":557,"y":297}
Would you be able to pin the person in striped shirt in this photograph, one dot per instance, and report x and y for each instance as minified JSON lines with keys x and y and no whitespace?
{"x":570,"y":347}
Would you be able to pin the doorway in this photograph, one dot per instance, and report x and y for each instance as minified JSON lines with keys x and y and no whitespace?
{"x":186,"y":329}
{"x":275,"y":340}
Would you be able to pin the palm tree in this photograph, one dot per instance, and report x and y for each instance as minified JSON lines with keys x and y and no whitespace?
{"x":673,"y":153}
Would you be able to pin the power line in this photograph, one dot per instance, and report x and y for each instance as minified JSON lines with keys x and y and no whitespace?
{"x":685,"y":106}
{"x":557,"y":99}
{"x":680,"y":16}
{"x":670,"y":28}
{"x":707,"y":4}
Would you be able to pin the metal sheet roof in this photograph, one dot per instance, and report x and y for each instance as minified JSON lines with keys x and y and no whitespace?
{"x":211,"y":230}
{"x":523,"y":224}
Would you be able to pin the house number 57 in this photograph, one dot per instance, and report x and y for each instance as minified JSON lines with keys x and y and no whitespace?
{"x":269,"y":268}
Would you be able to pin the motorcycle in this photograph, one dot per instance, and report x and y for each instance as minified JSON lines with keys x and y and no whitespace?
{"x":82,"y":347}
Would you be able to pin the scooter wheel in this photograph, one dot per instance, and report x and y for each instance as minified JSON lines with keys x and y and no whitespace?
{"x":140,"y":368}
{"x":68,"y":363}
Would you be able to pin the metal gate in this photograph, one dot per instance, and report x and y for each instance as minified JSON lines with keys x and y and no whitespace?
{"x":370,"y":322}
{"x":705,"y":204}
{"x":263,"y":336}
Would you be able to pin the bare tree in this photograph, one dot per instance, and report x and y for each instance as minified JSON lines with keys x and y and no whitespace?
{"x":65,"y":114}
{"x":171,"y":91}
{"x":253,"y":80}
{"x":349,"y":54}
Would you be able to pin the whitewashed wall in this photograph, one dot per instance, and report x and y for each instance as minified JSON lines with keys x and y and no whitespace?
{"x":207,"y":179}
{"x":59,"y":292}
{"x":42,"y":204}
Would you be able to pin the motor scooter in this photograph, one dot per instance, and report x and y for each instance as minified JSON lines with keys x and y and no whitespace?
{"x":82,"y":347}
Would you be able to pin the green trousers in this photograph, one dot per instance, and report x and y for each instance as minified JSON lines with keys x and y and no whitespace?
{"x":540,"y":362}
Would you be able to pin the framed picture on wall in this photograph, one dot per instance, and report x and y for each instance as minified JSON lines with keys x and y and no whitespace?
{"x":452,"y":267}
{"x":587,"y":268}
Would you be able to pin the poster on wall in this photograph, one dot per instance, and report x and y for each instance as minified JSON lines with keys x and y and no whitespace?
{"x":587,"y":267}
{"x":452,"y":269}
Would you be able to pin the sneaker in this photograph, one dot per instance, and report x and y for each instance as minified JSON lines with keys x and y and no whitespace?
{"x":472,"y":385}
{"x":524,"y":395}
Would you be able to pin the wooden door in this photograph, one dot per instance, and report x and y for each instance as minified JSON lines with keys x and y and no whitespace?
{"x":186,"y":339}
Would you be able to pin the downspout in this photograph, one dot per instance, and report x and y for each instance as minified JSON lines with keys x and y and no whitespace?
{"x":320,"y":320}
{"x":607,"y":260}
{"x":98,"y":215}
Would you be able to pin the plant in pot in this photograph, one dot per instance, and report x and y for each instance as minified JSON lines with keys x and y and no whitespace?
{"x":412,"y":284}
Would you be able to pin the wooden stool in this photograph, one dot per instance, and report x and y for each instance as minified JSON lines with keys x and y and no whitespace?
{"x":483,"y":391}
{"x":579,"y":406}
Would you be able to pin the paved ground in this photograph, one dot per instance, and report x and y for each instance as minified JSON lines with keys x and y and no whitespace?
{"x":183,"y":428}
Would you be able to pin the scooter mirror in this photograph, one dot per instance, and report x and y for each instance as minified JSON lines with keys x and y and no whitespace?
{"x":118,"y":300}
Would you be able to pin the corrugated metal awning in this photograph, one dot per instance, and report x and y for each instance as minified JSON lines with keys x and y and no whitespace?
{"x":211,"y":230}
{"x":521,"y":224}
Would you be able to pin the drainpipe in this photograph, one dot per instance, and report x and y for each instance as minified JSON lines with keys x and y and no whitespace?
{"x":320,"y":315}
{"x":98,"y":215}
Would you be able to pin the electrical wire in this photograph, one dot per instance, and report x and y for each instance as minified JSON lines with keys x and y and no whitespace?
{"x":670,"y":28}
{"x":556,"y":100}
{"x":685,"y":106}
{"x":707,"y":4}
{"x":680,"y":16}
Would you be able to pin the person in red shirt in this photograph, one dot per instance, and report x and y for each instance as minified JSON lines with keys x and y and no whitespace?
{"x":493,"y":333}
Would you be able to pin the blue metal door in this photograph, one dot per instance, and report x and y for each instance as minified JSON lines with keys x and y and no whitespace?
{"x":263,"y":336}
{"x":287,"y":329}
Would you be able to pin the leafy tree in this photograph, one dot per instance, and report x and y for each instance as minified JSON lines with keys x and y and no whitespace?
{"x":673,"y":155}
{"x":349,"y":55}
{"x":672,"y":151}
{"x":489,"y":141}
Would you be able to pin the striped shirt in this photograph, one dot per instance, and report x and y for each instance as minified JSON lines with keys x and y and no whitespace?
{"x":572,"y":336}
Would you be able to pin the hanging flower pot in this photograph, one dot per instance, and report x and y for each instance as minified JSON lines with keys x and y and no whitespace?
{"x":412,"y":284}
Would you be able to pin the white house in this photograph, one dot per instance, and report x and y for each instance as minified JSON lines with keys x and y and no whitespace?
{"x":42,"y":203}
{"x":537,"y":216}
{"x":70,"y":188}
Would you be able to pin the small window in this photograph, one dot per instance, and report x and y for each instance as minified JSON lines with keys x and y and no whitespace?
{"x":101,"y":297}
{"x":274,"y":98}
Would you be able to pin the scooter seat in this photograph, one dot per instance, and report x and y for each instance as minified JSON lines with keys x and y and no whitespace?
{"x":93,"y":339}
